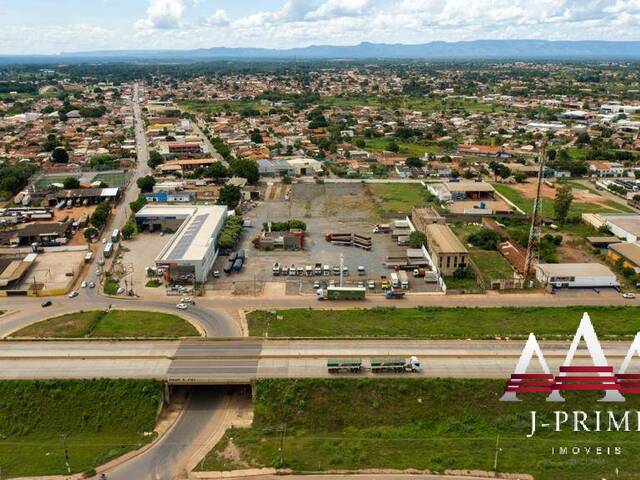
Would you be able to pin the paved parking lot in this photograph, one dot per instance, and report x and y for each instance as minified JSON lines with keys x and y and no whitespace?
{"x":139,"y":253}
{"x":338,"y":208}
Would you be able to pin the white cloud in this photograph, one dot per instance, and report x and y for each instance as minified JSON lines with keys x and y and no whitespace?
{"x":217,"y":19}
{"x":340,"y":8}
{"x":164,"y":14}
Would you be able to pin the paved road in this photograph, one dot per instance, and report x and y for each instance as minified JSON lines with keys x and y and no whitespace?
{"x":243,"y":361}
{"x":166,"y":460}
{"x":121,"y":212}
{"x":212,"y":150}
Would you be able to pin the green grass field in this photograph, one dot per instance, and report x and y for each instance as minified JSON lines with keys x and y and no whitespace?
{"x":114,"y":324}
{"x":445,"y":323}
{"x":397,"y":198}
{"x":491,"y":264}
{"x":435,"y":424}
{"x":112,"y":179}
{"x":46,"y":181}
{"x":101,"y":419}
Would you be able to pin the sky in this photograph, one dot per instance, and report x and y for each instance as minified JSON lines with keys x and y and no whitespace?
{"x":55,"y":26}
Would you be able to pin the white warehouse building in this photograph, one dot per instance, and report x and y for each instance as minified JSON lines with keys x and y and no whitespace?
{"x":576,"y":275}
{"x":193,"y":248}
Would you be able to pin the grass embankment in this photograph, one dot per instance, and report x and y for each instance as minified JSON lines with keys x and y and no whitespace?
{"x":102,"y":419}
{"x":445,"y":323}
{"x":424,"y":424}
{"x":111,"y":324}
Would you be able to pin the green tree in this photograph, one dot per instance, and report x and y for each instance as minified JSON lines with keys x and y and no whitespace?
{"x":146,"y":184}
{"x":246,"y":168}
{"x":414,"y":162}
{"x":100,"y":215}
{"x":562,"y":202}
{"x":216,"y":170}
{"x":90,"y":232}
{"x":71,"y":183}
{"x":393,"y":147}
{"x":256,"y":137}
{"x":417,"y":239}
{"x":137,"y":205}
{"x":59,"y":155}
{"x":155,"y":159}
{"x":230,"y":196}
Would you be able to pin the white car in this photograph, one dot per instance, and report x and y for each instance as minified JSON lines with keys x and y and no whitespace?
{"x":83,"y":285}
{"x":73,"y":294}
{"x":182,"y":306}
{"x":92,"y":285}
{"x":628,"y":296}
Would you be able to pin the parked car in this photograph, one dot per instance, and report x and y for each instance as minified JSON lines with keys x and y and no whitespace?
{"x":216,"y":274}
{"x":92,"y":285}
{"x":292,"y":271}
{"x":628,"y":296}
{"x":46,"y":304}
{"x":73,"y":294}
{"x":316,"y":285}
{"x":372,"y":285}
{"x":276,"y":269}
{"x":83,"y":285}
{"x":182,"y":306}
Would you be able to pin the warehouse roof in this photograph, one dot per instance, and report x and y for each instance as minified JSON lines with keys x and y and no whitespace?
{"x":576,"y":270}
{"x":630,"y":251}
{"x":193,"y":239}
{"x":443,"y":240}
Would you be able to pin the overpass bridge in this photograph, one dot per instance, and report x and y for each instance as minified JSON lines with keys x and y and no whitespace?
{"x":242,"y":361}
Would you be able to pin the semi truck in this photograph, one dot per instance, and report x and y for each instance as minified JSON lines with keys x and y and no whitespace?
{"x":344,"y":365}
{"x":395,"y":365}
{"x":341,"y":293}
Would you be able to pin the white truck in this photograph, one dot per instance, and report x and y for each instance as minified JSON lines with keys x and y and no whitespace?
{"x":404,"y":280}
{"x":395,"y":280}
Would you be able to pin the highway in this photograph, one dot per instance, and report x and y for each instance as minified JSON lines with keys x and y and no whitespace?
{"x":241,"y":361}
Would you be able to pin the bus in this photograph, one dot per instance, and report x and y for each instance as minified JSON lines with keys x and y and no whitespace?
{"x":115,"y":236}
{"x":108,"y":250}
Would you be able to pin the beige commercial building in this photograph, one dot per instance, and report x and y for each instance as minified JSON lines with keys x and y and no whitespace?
{"x":447,"y":251}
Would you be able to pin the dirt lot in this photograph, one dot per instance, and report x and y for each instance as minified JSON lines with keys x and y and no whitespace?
{"x":338,"y":208}
{"x":50,"y":270}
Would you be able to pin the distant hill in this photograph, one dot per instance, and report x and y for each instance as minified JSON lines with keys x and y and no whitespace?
{"x":477,"y":49}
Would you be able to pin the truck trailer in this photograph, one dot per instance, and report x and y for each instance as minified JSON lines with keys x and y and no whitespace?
{"x":342,"y":293}
{"x":344,"y":365}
